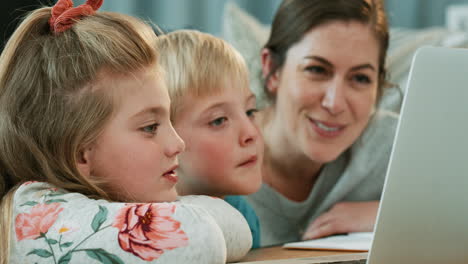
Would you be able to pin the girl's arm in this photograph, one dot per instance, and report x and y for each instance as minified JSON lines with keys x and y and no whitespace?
{"x":53,"y":226}
{"x":235,"y":228}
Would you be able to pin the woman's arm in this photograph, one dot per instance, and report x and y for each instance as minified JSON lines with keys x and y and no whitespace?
{"x":344,"y":217}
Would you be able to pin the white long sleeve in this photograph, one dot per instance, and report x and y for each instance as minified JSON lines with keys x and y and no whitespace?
{"x":53,"y":226}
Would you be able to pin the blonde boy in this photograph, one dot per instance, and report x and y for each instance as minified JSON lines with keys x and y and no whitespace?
{"x":213,"y":110}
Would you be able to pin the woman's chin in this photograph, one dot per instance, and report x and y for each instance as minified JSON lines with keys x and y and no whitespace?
{"x":324,"y":156}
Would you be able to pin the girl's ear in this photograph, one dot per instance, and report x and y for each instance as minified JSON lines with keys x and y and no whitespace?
{"x":83,"y":161}
{"x":272,"y":82}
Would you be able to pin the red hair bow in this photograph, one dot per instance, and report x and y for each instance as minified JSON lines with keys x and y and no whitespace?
{"x":64,"y":15}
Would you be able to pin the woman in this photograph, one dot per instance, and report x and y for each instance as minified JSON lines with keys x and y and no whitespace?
{"x":327,"y":147}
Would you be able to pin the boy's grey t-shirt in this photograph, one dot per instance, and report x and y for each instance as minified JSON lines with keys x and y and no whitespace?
{"x":356,"y":175}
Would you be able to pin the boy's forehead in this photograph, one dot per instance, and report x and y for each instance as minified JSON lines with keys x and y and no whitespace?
{"x":219,"y":87}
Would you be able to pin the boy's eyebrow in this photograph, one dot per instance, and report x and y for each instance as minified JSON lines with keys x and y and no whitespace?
{"x":216,"y":105}
{"x":221,"y":104}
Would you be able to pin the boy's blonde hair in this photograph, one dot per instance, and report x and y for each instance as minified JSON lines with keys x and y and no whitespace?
{"x":198,"y":64}
{"x":51,"y":104}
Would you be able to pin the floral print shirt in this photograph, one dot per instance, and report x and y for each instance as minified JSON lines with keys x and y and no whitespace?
{"x":53,"y":226}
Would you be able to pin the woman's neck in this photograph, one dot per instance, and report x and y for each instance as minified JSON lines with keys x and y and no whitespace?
{"x":287,"y":169}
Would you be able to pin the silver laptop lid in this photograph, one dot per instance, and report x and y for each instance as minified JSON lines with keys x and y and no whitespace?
{"x":423,"y":215}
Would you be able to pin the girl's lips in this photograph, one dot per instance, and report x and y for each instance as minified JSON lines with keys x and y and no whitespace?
{"x":171,"y":174}
{"x":172,"y":177}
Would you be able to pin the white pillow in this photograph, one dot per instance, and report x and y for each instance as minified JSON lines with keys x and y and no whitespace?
{"x":248,"y":36}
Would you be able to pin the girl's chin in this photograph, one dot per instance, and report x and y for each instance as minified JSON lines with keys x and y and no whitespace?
{"x":170,"y":196}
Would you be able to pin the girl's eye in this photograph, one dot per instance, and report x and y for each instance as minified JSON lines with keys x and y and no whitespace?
{"x":362,"y":78}
{"x":218,"y":121}
{"x":251,"y":112}
{"x":150,"y":129}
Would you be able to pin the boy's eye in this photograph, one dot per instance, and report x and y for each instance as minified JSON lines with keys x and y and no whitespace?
{"x":251,"y":112}
{"x":218,"y":121}
{"x":150,"y":129}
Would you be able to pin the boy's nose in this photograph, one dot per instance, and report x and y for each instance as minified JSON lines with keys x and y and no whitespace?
{"x":249,"y":132}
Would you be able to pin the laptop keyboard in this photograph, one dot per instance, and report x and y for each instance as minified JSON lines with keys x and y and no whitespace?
{"x":355,"y":258}
{"x":359,"y":258}
{"x":362,"y":261}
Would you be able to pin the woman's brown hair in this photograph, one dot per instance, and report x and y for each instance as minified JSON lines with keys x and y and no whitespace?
{"x":295,"y":18}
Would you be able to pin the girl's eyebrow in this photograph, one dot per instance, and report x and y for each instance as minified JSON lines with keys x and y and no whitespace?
{"x":150,"y":111}
{"x":251,"y":97}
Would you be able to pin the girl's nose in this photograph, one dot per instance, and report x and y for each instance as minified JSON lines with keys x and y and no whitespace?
{"x":175,"y":145}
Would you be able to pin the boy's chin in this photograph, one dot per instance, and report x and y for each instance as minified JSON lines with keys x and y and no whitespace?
{"x":247,"y":188}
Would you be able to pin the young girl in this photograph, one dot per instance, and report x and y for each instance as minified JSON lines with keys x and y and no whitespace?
{"x":213,"y":110}
{"x":84,"y":128}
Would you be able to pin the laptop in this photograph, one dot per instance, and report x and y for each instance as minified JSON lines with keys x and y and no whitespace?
{"x":423,"y":214}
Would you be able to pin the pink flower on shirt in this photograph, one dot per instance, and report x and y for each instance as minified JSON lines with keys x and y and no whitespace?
{"x":38,"y":221}
{"x":146,"y":230}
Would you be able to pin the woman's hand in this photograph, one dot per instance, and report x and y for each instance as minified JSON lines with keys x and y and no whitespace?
{"x":344,"y":217}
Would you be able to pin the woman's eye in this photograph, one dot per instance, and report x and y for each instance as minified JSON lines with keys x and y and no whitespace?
{"x":218,"y":121}
{"x":316,"y":70}
{"x":362,"y":78}
{"x":251,"y":112}
{"x":150,"y":129}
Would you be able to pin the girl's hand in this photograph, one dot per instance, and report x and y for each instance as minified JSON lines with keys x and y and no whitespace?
{"x":344,"y":217}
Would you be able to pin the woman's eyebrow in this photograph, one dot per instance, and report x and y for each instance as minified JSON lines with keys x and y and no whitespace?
{"x":329,"y":64}
{"x":320,"y":59}
{"x":363,"y":66}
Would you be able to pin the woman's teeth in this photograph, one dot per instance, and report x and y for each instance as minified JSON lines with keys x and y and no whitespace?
{"x":326,"y":128}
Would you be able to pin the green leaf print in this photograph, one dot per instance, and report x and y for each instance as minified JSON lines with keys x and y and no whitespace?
{"x":52,"y":241}
{"x":65,"y":259}
{"x":41,"y":253}
{"x":66,"y":244}
{"x":55,"y":201}
{"x":30,"y":203}
{"x":99,"y":218}
{"x":103,"y":256}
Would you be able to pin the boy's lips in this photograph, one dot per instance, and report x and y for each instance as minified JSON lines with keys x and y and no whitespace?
{"x":252,"y":160}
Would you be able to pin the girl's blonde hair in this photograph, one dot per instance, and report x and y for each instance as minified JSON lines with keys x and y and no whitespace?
{"x":198,"y":64}
{"x":50,"y":103}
